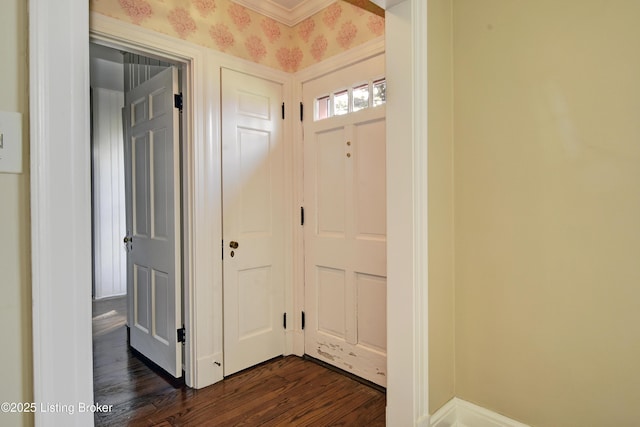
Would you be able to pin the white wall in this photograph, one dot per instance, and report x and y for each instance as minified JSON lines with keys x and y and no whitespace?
{"x":109,"y":225}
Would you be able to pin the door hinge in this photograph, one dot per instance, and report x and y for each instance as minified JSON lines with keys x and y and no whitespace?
{"x":177,"y":101}
{"x":181,"y":335}
{"x":283,"y":111}
{"x":302,"y":320}
{"x":301,"y":111}
{"x":284,"y":320}
{"x":301,"y":215}
{"x":222,"y":250}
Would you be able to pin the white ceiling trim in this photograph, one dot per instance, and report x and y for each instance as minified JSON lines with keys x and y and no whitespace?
{"x":386,"y":4}
{"x":287,"y":15}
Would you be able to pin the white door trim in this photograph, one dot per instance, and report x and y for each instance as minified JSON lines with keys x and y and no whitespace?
{"x":60,"y":176}
{"x":407,"y":244}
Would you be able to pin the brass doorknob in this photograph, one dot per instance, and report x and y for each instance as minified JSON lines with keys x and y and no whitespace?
{"x":233,"y":245}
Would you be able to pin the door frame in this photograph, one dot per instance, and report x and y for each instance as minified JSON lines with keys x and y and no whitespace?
{"x":361,"y":53}
{"x":60,"y":238}
{"x":101,"y":34}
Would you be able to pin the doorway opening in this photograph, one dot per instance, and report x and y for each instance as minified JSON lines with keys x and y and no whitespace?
{"x":57,"y":47}
{"x":136,"y":198}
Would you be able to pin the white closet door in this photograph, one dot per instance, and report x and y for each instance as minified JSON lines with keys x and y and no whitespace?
{"x":253,"y":215}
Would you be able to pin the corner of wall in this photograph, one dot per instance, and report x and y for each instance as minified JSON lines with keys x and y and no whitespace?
{"x":441,"y":213}
{"x":460,"y":413}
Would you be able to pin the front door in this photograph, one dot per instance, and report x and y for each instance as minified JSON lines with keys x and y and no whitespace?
{"x":345,"y":219}
{"x":253,"y":208}
{"x":153,"y":220}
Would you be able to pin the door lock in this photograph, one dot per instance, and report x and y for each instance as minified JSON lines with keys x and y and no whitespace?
{"x":233,"y":245}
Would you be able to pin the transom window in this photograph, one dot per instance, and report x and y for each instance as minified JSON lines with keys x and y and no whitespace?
{"x":356,"y":98}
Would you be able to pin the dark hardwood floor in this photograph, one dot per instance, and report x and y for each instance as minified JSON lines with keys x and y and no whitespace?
{"x":287,"y":391}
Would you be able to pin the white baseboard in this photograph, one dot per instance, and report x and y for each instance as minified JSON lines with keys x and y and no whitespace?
{"x":447,"y":416}
{"x":460,"y":413}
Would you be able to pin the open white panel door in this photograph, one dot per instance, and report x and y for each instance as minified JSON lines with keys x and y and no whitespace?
{"x":253,"y":211}
{"x":153,"y":220}
{"x":345,"y":220}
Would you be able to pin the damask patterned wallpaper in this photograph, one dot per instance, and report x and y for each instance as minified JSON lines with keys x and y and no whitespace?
{"x":228,"y":27}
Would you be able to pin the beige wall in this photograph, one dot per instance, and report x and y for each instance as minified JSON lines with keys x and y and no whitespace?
{"x":547,"y":209}
{"x":440,"y":177}
{"x":15,"y":260}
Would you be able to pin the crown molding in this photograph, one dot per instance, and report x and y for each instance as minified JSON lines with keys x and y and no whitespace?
{"x":289,"y":17}
{"x":386,"y":4}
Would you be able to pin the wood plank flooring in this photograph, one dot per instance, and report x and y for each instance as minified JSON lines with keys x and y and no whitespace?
{"x":287,"y":391}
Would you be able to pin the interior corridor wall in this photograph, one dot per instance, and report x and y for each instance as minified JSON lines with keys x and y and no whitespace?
{"x":108,"y":193}
{"x":547,"y":208}
{"x":15,"y":249}
{"x":440,"y":187}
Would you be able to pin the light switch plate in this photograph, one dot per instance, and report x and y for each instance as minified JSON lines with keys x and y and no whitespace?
{"x":10,"y":142}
